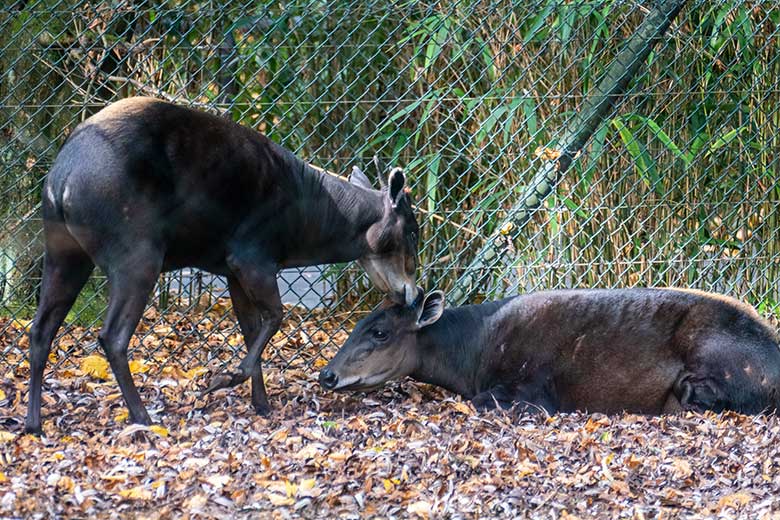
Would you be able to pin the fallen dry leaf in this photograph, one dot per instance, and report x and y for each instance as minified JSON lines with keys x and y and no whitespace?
{"x":406,"y":450}
{"x":136,"y":493}
{"x":735,"y":500}
{"x":162,"y":431}
{"x":420,"y":508}
{"x":280,"y":500}
{"x":218,"y":481}
{"x":95,"y":366}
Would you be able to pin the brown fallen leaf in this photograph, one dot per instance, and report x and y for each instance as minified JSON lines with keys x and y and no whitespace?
{"x":682,"y":469}
{"x":196,"y":502}
{"x":734,"y":501}
{"x":218,"y":481}
{"x":136,"y":493}
{"x":280,"y":500}
{"x":463,"y":408}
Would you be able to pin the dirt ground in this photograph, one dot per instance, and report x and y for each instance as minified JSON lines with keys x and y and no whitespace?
{"x":409,"y":450}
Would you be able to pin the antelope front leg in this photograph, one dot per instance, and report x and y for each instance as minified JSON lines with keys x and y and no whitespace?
{"x":258,"y":307}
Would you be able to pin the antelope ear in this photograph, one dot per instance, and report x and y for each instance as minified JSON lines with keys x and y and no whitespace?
{"x":396,"y":181}
{"x":358,"y":178}
{"x":431,"y":309}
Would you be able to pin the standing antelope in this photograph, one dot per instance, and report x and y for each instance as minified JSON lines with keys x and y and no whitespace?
{"x":146,"y":186}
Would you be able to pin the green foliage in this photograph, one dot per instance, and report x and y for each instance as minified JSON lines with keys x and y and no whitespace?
{"x":462,"y":94}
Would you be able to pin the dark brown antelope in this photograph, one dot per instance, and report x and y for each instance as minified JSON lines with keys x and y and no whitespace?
{"x":146,"y":186}
{"x":646,"y":351}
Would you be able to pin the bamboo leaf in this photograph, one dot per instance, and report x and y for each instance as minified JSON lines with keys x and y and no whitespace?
{"x":538,"y":22}
{"x":644,"y":164}
{"x":725,"y":139}
{"x":663,"y":137}
{"x":431,"y":184}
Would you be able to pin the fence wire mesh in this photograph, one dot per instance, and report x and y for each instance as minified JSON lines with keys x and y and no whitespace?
{"x":675,"y":189}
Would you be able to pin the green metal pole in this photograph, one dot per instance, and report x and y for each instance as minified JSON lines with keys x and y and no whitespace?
{"x":595,"y":109}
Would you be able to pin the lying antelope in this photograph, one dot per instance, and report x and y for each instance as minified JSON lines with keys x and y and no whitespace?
{"x":647,"y":351}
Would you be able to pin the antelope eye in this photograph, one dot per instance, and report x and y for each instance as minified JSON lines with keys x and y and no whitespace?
{"x":380,"y":335}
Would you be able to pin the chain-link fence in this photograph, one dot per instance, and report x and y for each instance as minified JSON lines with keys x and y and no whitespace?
{"x":676,"y":188}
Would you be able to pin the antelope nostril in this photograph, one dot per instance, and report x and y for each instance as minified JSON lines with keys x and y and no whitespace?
{"x":328,"y":379}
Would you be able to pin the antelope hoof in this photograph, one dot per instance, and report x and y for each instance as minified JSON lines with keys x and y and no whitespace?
{"x":225,"y":380}
{"x":263,"y":410}
{"x":36,"y":430}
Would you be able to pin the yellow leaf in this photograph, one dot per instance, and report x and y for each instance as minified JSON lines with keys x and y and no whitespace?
{"x":114,"y":478}
{"x":121,"y":416}
{"x":138,"y":367}
{"x":525,"y":468}
{"x":222,"y":307}
{"x":421,"y":508}
{"x":388,"y":485}
{"x":195,"y":372}
{"x":280,"y":500}
{"x":2,"y":395}
{"x":548,"y":154}
{"x":308,"y":484}
{"x":66,"y":484}
{"x":6,"y":436}
{"x":159,"y":430}
{"x":136,"y":493}
{"x":235,"y":340}
{"x":95,"y":366}
{"x":3,"y":478}
{"x":507,"y":228}
{"x":22,"y":324}
{"x":290,"y":488}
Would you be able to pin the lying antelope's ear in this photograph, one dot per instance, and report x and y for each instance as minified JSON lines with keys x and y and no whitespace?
{"x":418,"y":301}
{"x":396,"y":181}
{"x":358,"y":178}
{"x":431,"y":309}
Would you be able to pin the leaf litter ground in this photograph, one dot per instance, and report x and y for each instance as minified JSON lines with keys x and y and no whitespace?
{"x":409,"y":450}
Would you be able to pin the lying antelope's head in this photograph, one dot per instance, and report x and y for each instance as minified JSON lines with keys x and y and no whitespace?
{"x":383,"y":346}
{"x":393,"y":241}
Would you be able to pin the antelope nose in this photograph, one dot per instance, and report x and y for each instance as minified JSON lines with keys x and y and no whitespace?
{"x":328,"y":379}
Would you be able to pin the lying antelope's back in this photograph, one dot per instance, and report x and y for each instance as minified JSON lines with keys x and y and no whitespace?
{"x":643,"y":304}
{"x":619,"y":349}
